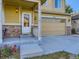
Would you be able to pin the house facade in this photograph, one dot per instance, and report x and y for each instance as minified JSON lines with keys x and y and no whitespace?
{"x":33,"y":17}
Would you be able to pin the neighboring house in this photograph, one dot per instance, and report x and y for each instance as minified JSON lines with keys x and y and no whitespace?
{"x":20,"y":17}
{"x":75,"y":23}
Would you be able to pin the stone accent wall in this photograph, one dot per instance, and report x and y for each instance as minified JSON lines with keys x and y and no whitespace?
{"x":68,"y":30}
{"x":11,"y":31}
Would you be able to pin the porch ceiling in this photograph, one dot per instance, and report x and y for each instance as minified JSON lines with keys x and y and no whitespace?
{"x":20,"y":3}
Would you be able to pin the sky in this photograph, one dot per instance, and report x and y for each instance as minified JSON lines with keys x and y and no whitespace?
{"x":74,"y":4}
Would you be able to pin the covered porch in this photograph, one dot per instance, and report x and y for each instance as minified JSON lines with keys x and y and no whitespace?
{"x":18,"y":18}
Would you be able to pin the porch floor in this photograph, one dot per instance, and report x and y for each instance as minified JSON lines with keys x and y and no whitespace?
{"x":20,"y":40}
{"x":49,"y":45}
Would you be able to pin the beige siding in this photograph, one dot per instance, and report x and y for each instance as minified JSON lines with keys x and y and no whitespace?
{"x":10,"y":14}
{"x":13,"y":17}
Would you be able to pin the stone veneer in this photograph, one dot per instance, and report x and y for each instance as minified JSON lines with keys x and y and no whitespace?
{"x":11,"y":31}
{"x":68,"y":30}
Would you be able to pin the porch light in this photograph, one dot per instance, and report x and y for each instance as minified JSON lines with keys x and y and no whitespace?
{"x":17,"y":10}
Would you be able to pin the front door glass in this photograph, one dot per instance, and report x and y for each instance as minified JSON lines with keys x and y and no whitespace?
{"x":26,"y":23}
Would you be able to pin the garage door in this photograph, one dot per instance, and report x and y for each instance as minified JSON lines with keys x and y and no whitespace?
{"x":53,"y":26}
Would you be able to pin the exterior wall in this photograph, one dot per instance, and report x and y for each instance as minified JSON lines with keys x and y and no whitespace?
{"x":11,"y":16}
{"x":51,"y":7}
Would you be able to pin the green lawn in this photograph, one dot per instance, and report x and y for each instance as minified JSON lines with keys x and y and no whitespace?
{"x":57,"y":55}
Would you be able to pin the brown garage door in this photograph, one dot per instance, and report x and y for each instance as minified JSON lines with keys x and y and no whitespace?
{"x":53,"y":27}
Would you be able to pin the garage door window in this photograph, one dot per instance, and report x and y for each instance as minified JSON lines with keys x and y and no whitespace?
{"x":54,"y":20}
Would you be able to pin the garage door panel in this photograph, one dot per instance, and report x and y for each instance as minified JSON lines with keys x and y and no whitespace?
{"x":52,"y":28}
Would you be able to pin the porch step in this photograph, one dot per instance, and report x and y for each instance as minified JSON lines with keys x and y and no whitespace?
{"x":30,"y":50}
{"x":26,"y":36}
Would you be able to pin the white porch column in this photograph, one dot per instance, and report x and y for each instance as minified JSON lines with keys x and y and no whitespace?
{"x":39,"y":21}
{"x":1,"y":21}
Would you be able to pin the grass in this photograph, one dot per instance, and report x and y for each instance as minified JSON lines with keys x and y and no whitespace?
{"x":57,"y":55}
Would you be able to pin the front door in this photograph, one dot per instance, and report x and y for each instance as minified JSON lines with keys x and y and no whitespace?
{"x":26,"y":23}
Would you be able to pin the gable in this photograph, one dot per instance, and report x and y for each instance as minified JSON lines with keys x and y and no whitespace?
{"x":54,"y":6}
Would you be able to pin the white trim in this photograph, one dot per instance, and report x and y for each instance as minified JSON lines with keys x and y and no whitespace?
{"x":19,"y":15}
{"x":39,"y":21}
{"x":3,"y":15}
{"x":54,"y":17}
{"x":33,"y":18}
{"x":1,"y":18}
{"x":26,"y":30}
{"x":11,"y":24}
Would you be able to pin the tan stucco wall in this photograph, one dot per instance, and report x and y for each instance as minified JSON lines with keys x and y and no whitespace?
{"x":51,"y":7}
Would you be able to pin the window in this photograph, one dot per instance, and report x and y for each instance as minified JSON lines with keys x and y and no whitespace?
{"x":46,"y":3}
{"x":57,"y":3}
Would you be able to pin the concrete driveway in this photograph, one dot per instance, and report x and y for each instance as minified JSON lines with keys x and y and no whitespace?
{"x":60,"y":43}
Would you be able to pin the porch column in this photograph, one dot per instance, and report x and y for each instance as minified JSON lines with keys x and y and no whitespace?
{"x":1,"y":21}
{"x":39,"y":21}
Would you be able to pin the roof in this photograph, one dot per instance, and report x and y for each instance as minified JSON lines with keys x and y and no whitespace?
{"x":76,"y":17}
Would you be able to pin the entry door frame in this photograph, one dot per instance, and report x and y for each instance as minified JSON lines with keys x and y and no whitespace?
{"x":26,"y":30}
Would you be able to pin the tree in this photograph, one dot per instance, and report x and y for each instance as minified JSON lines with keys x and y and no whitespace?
{"x":68,"y":9}
{"x":43,"y":1}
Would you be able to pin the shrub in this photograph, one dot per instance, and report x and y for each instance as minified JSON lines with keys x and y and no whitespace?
{"x":6,"y":52}
{"x":73,"y":31}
